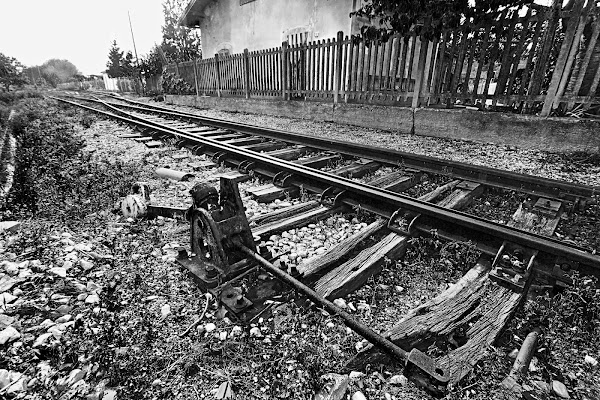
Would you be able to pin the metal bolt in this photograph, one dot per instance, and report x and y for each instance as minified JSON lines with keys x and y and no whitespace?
{"x":182,"y":253}
{"x":239,"y":300}
{"x":211,"y":272}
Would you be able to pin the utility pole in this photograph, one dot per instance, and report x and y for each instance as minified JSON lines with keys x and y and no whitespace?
{"x":137,"y":60}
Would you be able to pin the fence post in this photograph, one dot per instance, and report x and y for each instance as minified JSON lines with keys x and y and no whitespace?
{"x":284,"y":68}
{"x":218,"y":74}
{"x":535,"y":84}
{"x":338,"y":67}
{"x":420,"y":70}
{"x":562,"y":61}
{"x":195,"y":76}
{"x":246,"y":73}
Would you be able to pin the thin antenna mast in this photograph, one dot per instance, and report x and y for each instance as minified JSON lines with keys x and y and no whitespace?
{"x":137,"y":60}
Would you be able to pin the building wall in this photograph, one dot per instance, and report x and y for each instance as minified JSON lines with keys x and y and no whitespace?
{"x":262,"y":24}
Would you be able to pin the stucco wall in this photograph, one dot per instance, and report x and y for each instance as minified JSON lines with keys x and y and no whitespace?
{"x":261,"y":24}
{"x":529,"y":132}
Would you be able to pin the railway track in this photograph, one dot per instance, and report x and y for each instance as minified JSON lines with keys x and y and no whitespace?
{"x":483,"y":300}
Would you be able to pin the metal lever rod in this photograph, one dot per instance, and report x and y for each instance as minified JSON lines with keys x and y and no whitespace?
{"x":376,"y":339}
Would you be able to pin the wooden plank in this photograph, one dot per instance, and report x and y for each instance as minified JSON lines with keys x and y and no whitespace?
{"x":229,"y":136}
{"x":397,"y":45}
{"x":296,"y":220}
{"x":235,"y":175}
{"x":244,"y":141}
{"x":319,"y":161}
{"x":473,"y":312}
{"x":352,"y":274}
{"x":283,"y":213}
{"x":264,"y":146}
{"x":439,"y":72}
{"x":396,"y":181}
{"x":474,"y":41}
{"x":340,"y":251}
{"x":357,"y":169}
{"x":541,"y":64}
{"x":563,"y":62}
{"x":420,"y":72}
{"x":504,"y":64}
{"x":289,"y":154}
{"x":271,"y":192}
{"x":586,"y":59}
{"x":348,"y":67}
{"x":361,"y":67}
{"x":338,"y":67}
{"x":534,"y":42}
{"x":456,"y":76}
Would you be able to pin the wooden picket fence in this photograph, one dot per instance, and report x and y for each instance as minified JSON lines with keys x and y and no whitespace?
{"x":531,"y":60}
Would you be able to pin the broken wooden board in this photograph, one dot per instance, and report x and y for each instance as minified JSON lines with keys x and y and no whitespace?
{"x":467,"y":317}
{"x":131,"y":136}
{"x":352,"y":274}
{"x":294,"y":221}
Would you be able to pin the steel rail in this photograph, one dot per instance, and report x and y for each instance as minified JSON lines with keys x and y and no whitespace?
{"x":485,"y":175}
{"x":399,"y":201}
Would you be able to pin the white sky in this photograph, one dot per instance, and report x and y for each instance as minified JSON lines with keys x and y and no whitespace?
{"x":81,"y":31}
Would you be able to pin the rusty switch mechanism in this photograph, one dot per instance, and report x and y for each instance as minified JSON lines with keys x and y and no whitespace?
{"x":223,"y":249}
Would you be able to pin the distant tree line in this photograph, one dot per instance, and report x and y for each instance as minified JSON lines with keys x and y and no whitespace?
{"x":52,"y":73}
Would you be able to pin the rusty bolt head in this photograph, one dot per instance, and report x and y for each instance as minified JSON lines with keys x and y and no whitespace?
{"x":182,"y":253}
{"x":211,"y":272}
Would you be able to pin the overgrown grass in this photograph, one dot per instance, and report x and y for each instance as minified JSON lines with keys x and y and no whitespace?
{"x":54,"y":178}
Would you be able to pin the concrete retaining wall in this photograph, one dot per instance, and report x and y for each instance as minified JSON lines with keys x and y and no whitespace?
{"x":524,"y":131}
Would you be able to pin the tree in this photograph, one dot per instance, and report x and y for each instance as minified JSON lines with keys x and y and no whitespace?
{"x":118,"y":65}
{"x":179,"y":43}
{"x":151,"y":64}
{"x":428,"y":18}
{"x":128,"y":66}
{"x":57,"y":71}
{"x":11,"y":72}
{"x":115,"y":61}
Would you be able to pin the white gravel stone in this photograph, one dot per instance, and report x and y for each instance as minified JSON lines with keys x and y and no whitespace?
{"x":209,"y":327}
{"x":358,"y":396}
{"x":341,"y":303}
{"x":59,"y":271}
{"x":92,"y":299}
{"x":560,"y":390}
{"x":9,"y":334}
{"x":590,"y":361}
{"x":255,"y":332}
